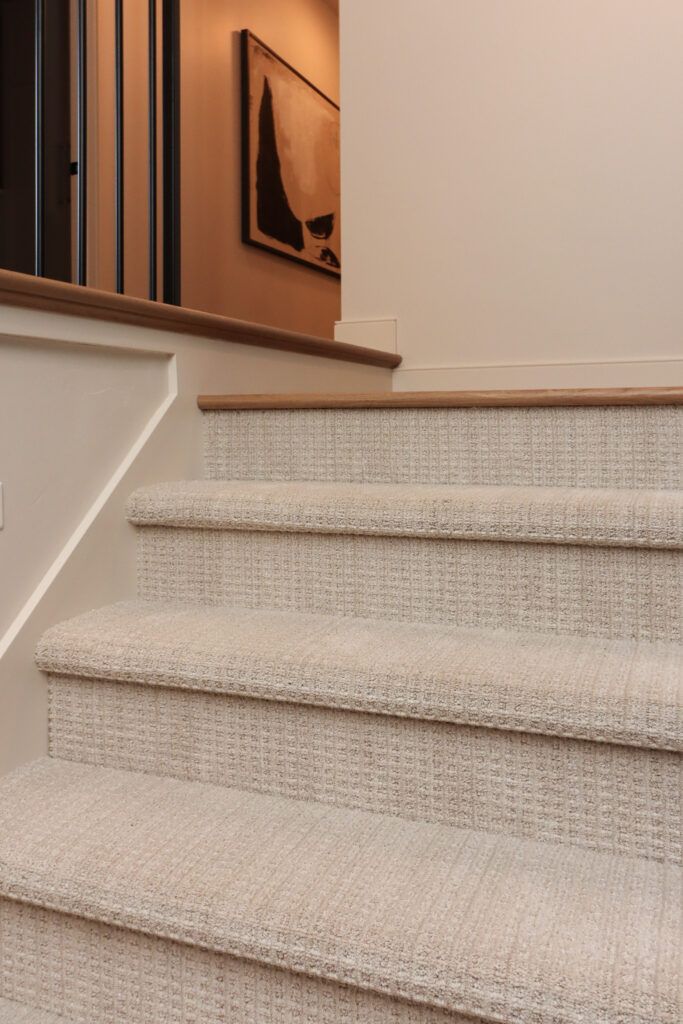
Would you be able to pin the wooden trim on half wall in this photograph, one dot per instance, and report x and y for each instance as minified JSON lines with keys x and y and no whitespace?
{"x":450,"y":399}
{"x":30,"y":292}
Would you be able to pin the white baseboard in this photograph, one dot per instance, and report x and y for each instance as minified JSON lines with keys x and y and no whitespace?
{"x":628,"y":373}
{"x":380,"y":334}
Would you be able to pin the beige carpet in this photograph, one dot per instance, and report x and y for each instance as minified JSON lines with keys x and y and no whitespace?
{"x":615,"y":691}
{"x":474,"y":923}
{"x":108,"y":974}
{"x":579,"y":447}
{"x":16,"y":1013}
{"x":392,"y":734}
{"x":613,"y":798}
{"x":461,"y":725}
{"x":605,"y":592}
{"x":557,"y":515}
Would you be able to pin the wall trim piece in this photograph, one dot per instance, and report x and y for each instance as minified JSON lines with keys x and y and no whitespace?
{"x":91,"y":515}
{"x":447,"y":367}
{"x":379,"y":333}
{"x":626,"y":373}
{"x":26,"y":291}
{"x":449,"y":399}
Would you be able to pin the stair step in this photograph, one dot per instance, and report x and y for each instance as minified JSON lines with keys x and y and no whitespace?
{"x":613,"y":691}
{"x":93,"y":973}
{"x":493,"y":731}
{"x":561,"y":515}
{"x":488,"y":926}
{"x":566,"y":447}
{"x":16,"y":1013}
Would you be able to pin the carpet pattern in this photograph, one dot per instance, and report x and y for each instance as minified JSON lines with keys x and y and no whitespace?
{"x":619,"y":799}
{"x":392,"y":733}
{"x":461,"y":920}
{"x":553,"y":515}
{"x":127,"y":977}
{"x":588,"y":591}
{"x":581,"y":447}
{"x":18,"y":1013}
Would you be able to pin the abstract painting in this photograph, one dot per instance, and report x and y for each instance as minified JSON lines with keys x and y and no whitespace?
{"x":290,"y":161}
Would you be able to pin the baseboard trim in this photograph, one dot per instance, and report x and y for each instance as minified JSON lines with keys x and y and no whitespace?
{"x":636,"y":373}
{"x":379,"y":334}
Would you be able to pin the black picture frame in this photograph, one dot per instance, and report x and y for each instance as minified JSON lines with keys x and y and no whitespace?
{"x":247,"y":40}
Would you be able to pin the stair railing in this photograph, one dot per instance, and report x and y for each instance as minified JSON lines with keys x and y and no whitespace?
{"x":170,"y":159}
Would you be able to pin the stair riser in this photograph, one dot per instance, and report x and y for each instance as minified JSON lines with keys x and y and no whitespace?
{"x":576,"y":447}
{"x":96,"y":974}
{"x":611,"y":798}
{"x":592,"y":591}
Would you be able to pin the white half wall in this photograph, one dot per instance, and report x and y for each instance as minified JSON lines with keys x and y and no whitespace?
{"x":88,"y":412}
{"x":511,"y":175}
{"x":68,"y":413}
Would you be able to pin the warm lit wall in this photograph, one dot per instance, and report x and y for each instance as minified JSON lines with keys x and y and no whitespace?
{"x":219,"y":273}
{"x":512,"y":180}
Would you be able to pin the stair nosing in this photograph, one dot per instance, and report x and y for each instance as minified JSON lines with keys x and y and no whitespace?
{"x":597,"y":517}
{"x":472,"y":696}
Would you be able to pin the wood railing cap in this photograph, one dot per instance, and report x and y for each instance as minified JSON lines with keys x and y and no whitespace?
{"x":30,"y":292}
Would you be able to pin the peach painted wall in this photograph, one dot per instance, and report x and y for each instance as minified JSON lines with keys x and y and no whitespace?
{"x":219,"y":273}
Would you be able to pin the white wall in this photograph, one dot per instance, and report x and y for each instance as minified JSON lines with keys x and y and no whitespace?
{"x":512,"y":181}
{"x":67,"y":414}
{"x":88,"y":412}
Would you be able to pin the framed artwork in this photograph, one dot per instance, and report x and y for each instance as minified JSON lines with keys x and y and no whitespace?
{"x":290,"y":161}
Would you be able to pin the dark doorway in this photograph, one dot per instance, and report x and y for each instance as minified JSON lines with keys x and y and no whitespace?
{"x":17,"y":138}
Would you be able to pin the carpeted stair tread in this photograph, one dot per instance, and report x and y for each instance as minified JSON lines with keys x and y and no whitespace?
{"x":16,"y":1013}
{"x":507,"y":930}
{"x":617,"y":691}
{"x":562,"y":515}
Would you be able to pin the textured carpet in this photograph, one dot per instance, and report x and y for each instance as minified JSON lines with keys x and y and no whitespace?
{"x":617,"y":691}
{"x":503,"y":929}
{"x":193,"y":717}
{"x":93,"y":972}
{"x":16,"y":1013}
{"x":581,"y":447}
{"x":559,"y":515}
{"x":589,"y":591}
{"x":614,"y":798}
{"x":393,"y":734}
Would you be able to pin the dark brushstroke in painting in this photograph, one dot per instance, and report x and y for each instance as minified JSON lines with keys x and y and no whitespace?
{"x":273,"y":212}
{"x":328,"y":256}
{"x":321,"y":227}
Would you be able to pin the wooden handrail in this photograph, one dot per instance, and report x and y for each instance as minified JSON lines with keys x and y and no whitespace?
{"x":450,"y":399}
{"x":30,"y":292}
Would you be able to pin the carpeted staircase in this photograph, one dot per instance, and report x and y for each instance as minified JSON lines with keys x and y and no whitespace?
{"x":392,"y":734}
